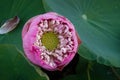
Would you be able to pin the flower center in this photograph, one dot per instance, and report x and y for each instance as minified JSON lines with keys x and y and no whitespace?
{"x":55,"y":41}
{"x":50,"y":40}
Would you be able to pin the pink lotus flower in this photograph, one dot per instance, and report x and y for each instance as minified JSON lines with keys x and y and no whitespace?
{"x":50,"y":41}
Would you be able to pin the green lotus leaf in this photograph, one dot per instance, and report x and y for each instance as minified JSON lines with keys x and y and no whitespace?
{"x":24,"y":9}
{"x":98,"y":25}
{"x":13,"y":66}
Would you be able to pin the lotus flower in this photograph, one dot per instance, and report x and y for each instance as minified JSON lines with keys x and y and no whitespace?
{"x":50,"y":41}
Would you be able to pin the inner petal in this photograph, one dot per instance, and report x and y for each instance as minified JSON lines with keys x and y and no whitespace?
{"x":50,"y":40}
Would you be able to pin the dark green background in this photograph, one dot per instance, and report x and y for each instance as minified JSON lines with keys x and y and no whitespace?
{"x":96,"y":21}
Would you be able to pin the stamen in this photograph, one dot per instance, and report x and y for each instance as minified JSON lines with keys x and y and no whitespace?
{"x":68,"y":34}
{"x":48,"y":30}
{"x":41,"y":24}
{"x":42,"y":57}
{"x":49,"y":52}
{"x":63,"y":50}
{"x":36,"y":43}
{"x":65,"y":55}
{"x":54,"y":54}
{"x":69,"y":39}
{"x":52,"y":22}
{"x":66,"y":28}
{"x":42,"y":48}
{"x":38,"y":36}
{"x":52,"y":64}
{"x":59,"y":52}
{"x":60,"y":58}
{"x":63,"y":41}
{"x":68,"y":47}
{"x":40,"y":33}
{"x":43,"y":54}
{"x":56,"y":29}
{"x":60,"y":31}
{"x":45,"y":24}
{"x":47,"y":58}
{"x":70,"y":42}
{"x":57,"y":22}
{"x":60,"y":37}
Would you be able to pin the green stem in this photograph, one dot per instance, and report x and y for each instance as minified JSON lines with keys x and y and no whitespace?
{"x":88,"y":70}
{"x":116,"y":73}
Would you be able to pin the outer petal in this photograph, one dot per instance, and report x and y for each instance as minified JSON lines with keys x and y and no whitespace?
{"x":29,"y":36}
